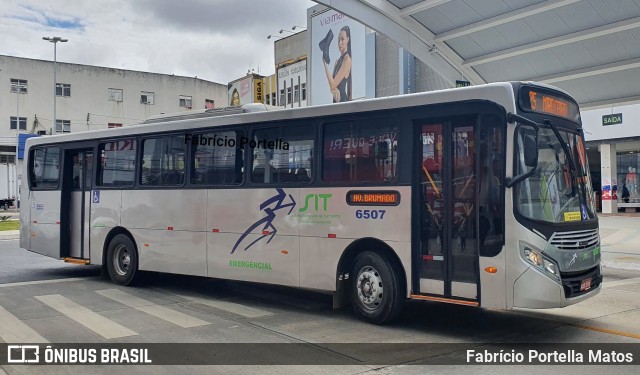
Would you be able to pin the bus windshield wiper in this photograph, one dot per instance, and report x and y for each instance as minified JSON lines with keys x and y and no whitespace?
{"x":572,"y":166}
{"x":565,"y":147}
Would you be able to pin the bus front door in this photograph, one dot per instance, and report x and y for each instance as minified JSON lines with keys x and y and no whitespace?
{"x":76,"y":203}
{"x":447,"y":258}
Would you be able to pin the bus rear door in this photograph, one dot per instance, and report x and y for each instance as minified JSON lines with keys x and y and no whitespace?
{"x":75,"y":214}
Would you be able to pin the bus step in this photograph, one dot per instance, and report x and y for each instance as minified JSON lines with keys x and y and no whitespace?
{"x":446,"y":300}
{"x":76,"y":261}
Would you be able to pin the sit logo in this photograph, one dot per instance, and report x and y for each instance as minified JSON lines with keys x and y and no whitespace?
{"x":316,"y":198}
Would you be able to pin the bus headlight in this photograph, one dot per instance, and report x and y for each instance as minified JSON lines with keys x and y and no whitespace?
{"x":541,"y":262}
{"x":533,"y":257}
{"x":550,"y":267}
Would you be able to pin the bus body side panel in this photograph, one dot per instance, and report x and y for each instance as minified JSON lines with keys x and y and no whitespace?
{"x":253,"y":235}
{"x":25,"y":213}
{"x":331,"y":227}
{"x":45,"y":222}
{"x":164,"y":224}
{"x":105,"y":215}
{"x":493,"y":285}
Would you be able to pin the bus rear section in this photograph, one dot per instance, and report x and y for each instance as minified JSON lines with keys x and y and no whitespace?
{"x":56,"y":213}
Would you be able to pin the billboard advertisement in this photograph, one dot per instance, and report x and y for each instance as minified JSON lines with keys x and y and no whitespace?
{"x":292,"y":84}
{"x":338,"y":60}
{"x":240,"y":92}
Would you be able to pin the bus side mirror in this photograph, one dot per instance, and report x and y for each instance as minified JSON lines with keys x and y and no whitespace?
{"x":527,"y":137}
{"x":530,"y":151}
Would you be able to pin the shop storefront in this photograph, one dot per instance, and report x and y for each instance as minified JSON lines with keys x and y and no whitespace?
{"x":613,"y":148}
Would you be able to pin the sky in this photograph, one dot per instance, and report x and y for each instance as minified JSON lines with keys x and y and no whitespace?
{"x":215,"y":40}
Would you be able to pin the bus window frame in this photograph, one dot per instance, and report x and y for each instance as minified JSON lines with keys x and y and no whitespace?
{"x":31,"y":176}
{"x":140,"y":155}
{"x":355,"y":119}
{"x":97,"y":160}
{"x":280,"y":124}
{"x":191,"y":157}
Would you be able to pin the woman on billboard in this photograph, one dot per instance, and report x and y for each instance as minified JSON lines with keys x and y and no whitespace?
{"x":340,"y":81}
{"x":235,"y":98}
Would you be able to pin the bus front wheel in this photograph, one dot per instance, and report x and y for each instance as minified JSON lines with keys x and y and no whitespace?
{"x":375,"y":288}
{"x":122,"y":260}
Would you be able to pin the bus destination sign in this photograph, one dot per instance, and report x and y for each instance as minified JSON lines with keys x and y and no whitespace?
{"x":545,"y":103}
{"x":373,"y":198}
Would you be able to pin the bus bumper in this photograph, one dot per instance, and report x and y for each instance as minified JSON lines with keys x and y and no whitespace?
{"x":534,"y":290}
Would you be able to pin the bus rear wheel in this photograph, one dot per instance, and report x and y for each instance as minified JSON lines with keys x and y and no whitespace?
{"x":122,"y":260}
{"x":375,"y":289}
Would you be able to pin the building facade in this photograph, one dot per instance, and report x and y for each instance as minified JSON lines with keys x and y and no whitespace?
{"x":613,"y":148}
{"x":291,"y":69}
{"x":87,"y":98}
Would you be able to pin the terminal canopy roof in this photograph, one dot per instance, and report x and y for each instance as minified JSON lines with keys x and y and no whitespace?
{"x":590,"y":48}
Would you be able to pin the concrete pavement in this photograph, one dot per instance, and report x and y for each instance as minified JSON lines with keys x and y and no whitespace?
{"x":620,"y":240}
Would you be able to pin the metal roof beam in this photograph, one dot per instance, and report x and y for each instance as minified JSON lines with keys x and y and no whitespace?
{"x":609,"y":102}
{"x":419,"y":7}
{"x":556,"y":41}
{"x":407,"y":32}
{"x":588,"y":72}
{"x":503,"y":18}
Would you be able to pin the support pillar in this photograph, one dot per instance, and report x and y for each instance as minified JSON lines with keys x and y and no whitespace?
{"x":609,"y":174}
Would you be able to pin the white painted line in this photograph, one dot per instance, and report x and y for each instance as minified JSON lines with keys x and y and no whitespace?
{"x":235,"y":308}
{"x":93,"y":321}
{"x":617,"y":237}
{"x":161,"y":312}
{"x":9,"y":285}
{"x":621,"y":265}
{"x":610,"y":284}
{"x":13,"y":330}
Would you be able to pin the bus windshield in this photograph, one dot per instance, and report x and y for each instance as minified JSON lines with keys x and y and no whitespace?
{"x":556,"y":192}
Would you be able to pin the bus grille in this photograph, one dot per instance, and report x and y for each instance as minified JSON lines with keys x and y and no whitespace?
{"x":571,"y":281}
{"x":576,"y":240}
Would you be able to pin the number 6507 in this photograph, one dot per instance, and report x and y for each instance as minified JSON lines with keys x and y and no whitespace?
{"x":370,"y":214}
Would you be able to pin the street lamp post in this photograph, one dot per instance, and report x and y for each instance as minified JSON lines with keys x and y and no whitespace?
{"x":55,"y":41}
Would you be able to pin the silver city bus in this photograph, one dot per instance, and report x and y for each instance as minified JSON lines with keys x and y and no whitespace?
{"x":478,"y":196}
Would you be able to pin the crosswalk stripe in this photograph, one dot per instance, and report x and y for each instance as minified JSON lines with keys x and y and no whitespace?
{"x":92,"y":320}
{"x":161,"y":312}
{"x":235,"y":308}
{"x":13,"y":330}
{"x":617,"y":237}
{"x":22,"y":283}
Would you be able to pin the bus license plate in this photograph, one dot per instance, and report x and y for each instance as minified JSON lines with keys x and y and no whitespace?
{"x":585,"y":284}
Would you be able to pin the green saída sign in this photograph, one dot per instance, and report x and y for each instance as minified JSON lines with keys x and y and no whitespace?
{"x":613,"y":119}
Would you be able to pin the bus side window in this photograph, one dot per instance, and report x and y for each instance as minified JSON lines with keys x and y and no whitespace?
{"x":360,"y":151}
{"x":44,"y":168}
{"x":218,"y":158}
{"x":283,"y":155}
{"x":163,"y":161}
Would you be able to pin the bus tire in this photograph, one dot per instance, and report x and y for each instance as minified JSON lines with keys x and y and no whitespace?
{"x":122,"y":260}
{"x":376,"y":294}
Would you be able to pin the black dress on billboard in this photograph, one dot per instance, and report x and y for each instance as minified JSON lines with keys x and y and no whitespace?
{"x":342,"y":86}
